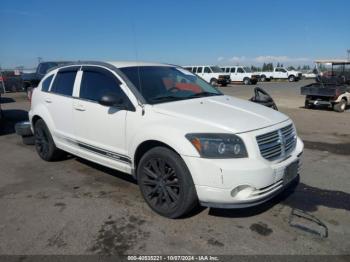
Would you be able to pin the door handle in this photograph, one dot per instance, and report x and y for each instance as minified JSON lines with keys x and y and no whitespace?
{"x":47,"y":100}
{"x":79,"y":107}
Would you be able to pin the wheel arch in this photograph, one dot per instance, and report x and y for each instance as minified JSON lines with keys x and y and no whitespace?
{"x":147,"y":145}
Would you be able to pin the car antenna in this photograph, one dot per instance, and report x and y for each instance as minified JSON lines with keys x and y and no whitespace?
{"x":137,"y":63}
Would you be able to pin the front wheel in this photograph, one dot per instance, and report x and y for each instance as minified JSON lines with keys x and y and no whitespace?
{"x":166,"y":183}
{"x":291,"y":78}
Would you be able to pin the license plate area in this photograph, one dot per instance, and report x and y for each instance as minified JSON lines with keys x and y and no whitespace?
{"x":290,"y":172}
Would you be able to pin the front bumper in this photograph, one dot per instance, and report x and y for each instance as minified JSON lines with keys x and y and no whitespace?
{"x":216,"y":180}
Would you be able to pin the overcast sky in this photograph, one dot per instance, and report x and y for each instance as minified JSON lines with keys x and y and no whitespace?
{"x":179,"y":32}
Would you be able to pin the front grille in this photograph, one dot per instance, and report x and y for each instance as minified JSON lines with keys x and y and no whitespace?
{"x":277,"y":144}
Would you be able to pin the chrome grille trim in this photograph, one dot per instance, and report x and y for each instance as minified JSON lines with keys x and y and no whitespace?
{"x":277,"y":144}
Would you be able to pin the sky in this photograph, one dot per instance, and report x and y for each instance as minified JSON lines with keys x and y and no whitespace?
{"x":183,"y":32}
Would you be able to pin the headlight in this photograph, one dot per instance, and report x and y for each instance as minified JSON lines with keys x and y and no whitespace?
{"x":218,"y":145}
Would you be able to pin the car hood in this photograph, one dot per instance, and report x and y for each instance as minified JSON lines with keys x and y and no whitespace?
{"x":223,"y":112}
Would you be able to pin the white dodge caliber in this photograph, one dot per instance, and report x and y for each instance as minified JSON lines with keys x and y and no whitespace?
{"x":183,"y":140}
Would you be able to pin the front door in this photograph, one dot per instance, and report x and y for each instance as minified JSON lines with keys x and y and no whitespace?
{"x":100,"y":130}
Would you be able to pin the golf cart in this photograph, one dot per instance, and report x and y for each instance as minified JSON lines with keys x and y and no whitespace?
{"x":332,"y":86}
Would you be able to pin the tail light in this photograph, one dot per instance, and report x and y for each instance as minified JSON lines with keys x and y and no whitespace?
{"x":30,"y":94}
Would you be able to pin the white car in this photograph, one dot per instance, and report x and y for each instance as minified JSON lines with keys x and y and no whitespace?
{"x":240,"y":74}
{"x":182,"y":139}
{"x":212,"y":74}
{"x":281,"y":73}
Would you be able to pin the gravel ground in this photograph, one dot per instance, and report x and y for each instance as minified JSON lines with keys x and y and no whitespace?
{"x":77,"y":207}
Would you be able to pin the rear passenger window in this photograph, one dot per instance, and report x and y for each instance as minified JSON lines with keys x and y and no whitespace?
{"x":64,"y":83}
{"x":46,"y":84}
{"x":199,"y":70}
{"x":227,"y":70}
{"x":96,"y":84}
{"x":233,"y":69}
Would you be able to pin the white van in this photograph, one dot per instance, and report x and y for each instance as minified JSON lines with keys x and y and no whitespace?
{"x":212,"y":74}
{"x":240,"y":74}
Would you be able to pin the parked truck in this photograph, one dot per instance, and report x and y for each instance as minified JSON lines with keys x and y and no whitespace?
{"x":332,"y":86}
{"x":31,"y":80}
{"x":281,"y":73}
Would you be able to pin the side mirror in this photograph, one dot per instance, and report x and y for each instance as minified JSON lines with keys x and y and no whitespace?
{"x":112,"y":100}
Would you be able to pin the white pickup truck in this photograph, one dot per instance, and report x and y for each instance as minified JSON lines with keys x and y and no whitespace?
{"x":241,"y":74}
{"x":281,"y":73}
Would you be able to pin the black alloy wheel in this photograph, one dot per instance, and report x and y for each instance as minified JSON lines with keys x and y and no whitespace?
{"x":166,"y":183}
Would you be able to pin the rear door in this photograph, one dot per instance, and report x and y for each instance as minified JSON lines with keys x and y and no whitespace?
{"x":100,"y":130}
{"x":233,"y":74}
{"x":59,"y":101}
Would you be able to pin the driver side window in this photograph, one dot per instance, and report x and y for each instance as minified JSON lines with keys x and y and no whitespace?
{"x":96,"y":83}
{"x":206,"y":70}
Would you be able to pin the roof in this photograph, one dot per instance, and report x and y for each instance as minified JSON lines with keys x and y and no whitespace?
{"x":332,"y":61}
{"x":120,"y":64}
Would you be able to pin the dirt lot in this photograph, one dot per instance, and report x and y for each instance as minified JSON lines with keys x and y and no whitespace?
{"x":77,"y":207}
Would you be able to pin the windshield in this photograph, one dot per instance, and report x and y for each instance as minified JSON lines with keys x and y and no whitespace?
{"x":216,"y":69}
{"x":247,"y":69}
{"x":159,"y":84}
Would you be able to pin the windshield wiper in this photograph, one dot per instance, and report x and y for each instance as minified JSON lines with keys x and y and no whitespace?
{"x":203,"y":94}
{"x":166,"y":98}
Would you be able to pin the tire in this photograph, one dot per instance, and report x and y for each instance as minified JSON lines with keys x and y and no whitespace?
{"x":44,"y":144}
{"x":28,"y":140}
{"x":263,"y":78}
{"x":246,"y":81}
{"x":214,"y":82}
{"x":291,"y":78}
{"x":157,"y":168}
{"x":308,"y":105}
{"x":340,"y":107}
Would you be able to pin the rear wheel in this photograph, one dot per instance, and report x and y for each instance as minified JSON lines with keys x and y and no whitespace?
{"x":246,"y":81}
{"x":308,"y":105}
{"x":340,"y":107}
{"x":44,"y":144}
{"x":214,"y":82}
{"x":165,"y":183}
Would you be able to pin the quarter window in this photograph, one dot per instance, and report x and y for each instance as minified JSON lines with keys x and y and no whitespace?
{"x":46,"y":84}
{"x":96,"y":83}
{"x":64,"y":83}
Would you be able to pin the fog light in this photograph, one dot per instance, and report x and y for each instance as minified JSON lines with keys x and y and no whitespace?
{"x":242,"y":191}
